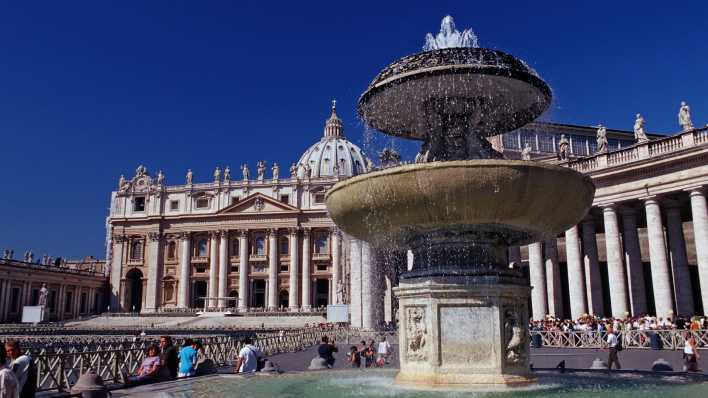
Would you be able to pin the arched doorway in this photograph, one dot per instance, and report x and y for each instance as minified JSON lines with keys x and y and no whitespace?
{"x":134,"y":290}
{"x":321,"y":292}
{"x":258,"y":298}
{"x":284,"y":299}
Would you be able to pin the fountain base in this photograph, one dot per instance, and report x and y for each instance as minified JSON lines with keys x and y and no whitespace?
{"x":457,"y":334}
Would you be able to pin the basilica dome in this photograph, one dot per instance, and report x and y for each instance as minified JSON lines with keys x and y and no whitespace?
{"x":333,"y":155}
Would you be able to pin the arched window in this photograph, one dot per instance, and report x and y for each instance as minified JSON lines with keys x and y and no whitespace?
{"x":321,"y":242}
{"x":202,"y":248}
{"x":284,"y":246}
{"x":171,"y":250}
{"x":136,"y":250}
{"x":260,"y":246}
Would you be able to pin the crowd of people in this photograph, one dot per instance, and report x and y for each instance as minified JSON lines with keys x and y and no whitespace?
{"x":600,"y":324}
{"x":366,"y":354}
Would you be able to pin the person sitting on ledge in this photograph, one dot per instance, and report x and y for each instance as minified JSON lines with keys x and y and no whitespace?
{"x":353,"y":357}
{"x":248,"y":357}
{"x":187,"y":359}
{"x":326,"y":350}
{"x":169,"y":360}
{"x":150,"y":366}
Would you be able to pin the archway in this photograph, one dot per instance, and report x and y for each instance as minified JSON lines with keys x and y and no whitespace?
{"x":134,"y":290}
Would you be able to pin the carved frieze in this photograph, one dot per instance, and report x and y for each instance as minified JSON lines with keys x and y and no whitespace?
{"x":416,"y":334}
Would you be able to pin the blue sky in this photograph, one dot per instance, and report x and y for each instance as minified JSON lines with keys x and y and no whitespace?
{"x":91,"y":89}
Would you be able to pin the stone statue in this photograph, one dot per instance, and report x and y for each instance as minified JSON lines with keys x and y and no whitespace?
{"x":6,"y":254}
{"x":639,"y":133}
{"x":43,"y":293}
{"x":684,"y":117}
{"x":30,"y":256}
{"x":526,"y":152}
{"x":369,"y":165}
{"x":307,"y":171}
{"x":293,"y":171}
{"x":563,"y":147}
{"x":140,"y":171}
{"x":515,"y":337}
{"x":422,"y":156}
{"x":217,"y":174}
{"x":601,"y":139}
{"x":122,"y":183}
{"x":340,"y":292}
{"x":189,"y":176}
{"x":246,"y":172}
{"x":160,"y":178}
{"x":261,"y":168}
{"x":276,"y":170}
{"x":227,"y":174}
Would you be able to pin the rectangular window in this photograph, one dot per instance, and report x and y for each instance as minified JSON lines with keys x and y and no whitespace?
{"x":322,"y":267}
{"x":319,"y":198}
{"x":285,"y":198}
{"x":139,"y":204}
{"x":201,"y":270}
{"x":174,"y":205}
{"x":202,"y":203}
{"x":283,"y":268}
{"x":68,"y":301}
{"x":235,"y":199}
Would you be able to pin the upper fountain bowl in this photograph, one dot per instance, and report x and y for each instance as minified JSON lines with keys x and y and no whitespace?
{"x":497,"y":91}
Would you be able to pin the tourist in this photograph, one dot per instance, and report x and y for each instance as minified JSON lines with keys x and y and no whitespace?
{"x":690,"y":355}
{"x":169,"y":360}
{"x":150,"y":366}
{"x":9,"y":386}
{"x":326,"y":350}
{"x":353,"y":357}
{"x":187,"y":359}
{"x":248,"y":357}
{"x":612,"y":344}
{"x":369,"y":354}
{"x":24,"y":368}
{"x":383,"y":352}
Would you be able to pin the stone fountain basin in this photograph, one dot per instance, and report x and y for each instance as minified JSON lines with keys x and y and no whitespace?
{"x":518,"y":201}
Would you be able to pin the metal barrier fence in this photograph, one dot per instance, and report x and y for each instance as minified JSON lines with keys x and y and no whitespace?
{"x":636,"y":339}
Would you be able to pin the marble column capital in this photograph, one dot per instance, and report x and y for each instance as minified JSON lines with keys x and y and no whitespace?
{"x":293,"y":231}
{"x":185,"y":235}
{"x":242,"y":233}
{"x":306,"y":231}
{"x":224,"y":233}
{"x":651,"y":200}
{"x":609,"y":207}
{"x":696,"y":191}
{"x":214,"y":234}
{"x":119,"y":238}
{"x":272,"y":232}
{"x":155,"y":236}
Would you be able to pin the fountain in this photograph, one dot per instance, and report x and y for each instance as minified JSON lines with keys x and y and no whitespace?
{"x":463,"y":310}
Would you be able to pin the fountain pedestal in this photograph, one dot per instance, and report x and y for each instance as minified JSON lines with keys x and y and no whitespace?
{"x":452,"y":333}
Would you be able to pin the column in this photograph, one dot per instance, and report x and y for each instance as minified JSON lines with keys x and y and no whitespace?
{"x":4,"y":285}
{"x":185,"y":265}
{"x":576,"y":276}
{"x":293,"y":293}
{"x":537,"y":276}
{"x":154,"y":274}
{"x":224,"y":269}
{"x":615,"y":267}
{"x":243,"y":270}
{"x":336,"y":240}
{"x":683,"y":293}
{"x":633,"y":263}
{"x":355,"y":303}
{"x":553,"y":280}
{"x":116,"y":271}
{"x":306,"y":269}
{"x":60,"y":299}
{"x":699,"y":213}
{"x":514,"y":253}
{"x":368,"y":288}
{"x":273,"y":262}
{"x":660,"y":278}
{"x":213,"y":288}
{"x":593,"y":279}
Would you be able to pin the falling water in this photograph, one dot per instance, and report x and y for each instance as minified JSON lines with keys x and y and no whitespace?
{"x":450,"y":37}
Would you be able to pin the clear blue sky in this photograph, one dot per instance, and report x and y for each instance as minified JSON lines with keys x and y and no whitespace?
{"x":91,"y":89}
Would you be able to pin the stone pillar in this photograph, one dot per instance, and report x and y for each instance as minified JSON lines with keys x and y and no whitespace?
{"x":355,"y":300}
{"x":336,"y":240}
{"x":273,"y":265}
{"x":593,"y":279}
{"x":293,"y":246}
{"x":576,"y":276}
{"x":4,"y":286}
{"x":185,"y":265}
{"x":116,"y":272}
{"x":553,"y":280}
{"x":615,"y":267}
{"x":224,"y":261}
{"x":243,"y":270}
{"x":683,"y":292}
{"x":537,"y":276}
{"x":633,"y":263}
{"x":213,"y":285}
{"x":514,"y":253}
{"x":699,"y":213}
{"x":306,"y":283}
{"x":660,"y":278}
{"x":154,"y":274}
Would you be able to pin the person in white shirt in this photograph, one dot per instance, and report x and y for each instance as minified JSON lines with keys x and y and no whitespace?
{"x":612,"y":342}
{"x":248,"y":357}
{"x":383,"y":351}
{"x":690,"y":355}
{"x":9,"y":386}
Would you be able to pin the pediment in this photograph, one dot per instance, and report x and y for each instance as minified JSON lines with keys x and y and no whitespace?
{"x":258,"y":203}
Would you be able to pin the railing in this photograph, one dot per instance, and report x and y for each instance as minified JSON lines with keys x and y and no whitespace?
{"x":637,"y":339}
{"x":641,"y":151}
{"x":78,"y":268}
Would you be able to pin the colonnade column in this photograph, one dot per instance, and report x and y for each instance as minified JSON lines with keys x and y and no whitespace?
{"x":659,"y":263}
{"x":306,"y":269}
{"x":154,"y":266}
{"x":593,"y":279}
{"x":633,"y":262}
{"x":537,"y":276}
{"x":615,"y":267}
{"x":683,"y":293}
{"x":116,"y":272}
{"x":336,"y":264}
{"x":185,"y":263}
{"x":243,"y":270}
{"x":213,"y":289}
{"x":553,"y":282}
{"x":224,"y":268}
{"x":699,"y":212}
{"x":576,"y":277}
{"x":273,"y":269}
{"x":293,"y":246}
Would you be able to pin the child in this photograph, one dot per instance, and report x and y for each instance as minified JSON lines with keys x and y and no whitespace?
{"x":354,"y":358}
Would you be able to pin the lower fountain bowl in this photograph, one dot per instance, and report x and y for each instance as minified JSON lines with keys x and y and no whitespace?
{"x":518,"y":201}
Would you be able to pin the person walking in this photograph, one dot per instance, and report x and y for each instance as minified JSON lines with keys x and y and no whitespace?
{"x":612,"y":344}
{"x":9,"y":386}
{"x":187,"y":359}
{"x":690,"y":355}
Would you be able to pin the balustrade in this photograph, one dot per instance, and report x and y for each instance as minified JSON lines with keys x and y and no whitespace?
{"x":633,"y":339}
